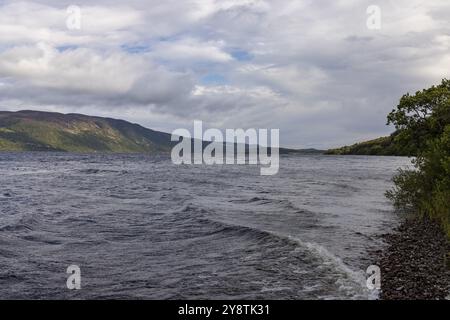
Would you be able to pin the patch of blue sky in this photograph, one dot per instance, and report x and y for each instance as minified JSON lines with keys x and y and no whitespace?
{"x":66,"y":48}
{"x":135,"y":48}
{"x":241,"y":55}
{"x":213,"y":79}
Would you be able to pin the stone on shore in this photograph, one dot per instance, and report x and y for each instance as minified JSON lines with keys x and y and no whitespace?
{"x":413,"y":266}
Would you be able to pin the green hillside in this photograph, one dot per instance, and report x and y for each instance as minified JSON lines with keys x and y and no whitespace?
{"x":384,"y":146}
{"x":45,"y":131}
{"x":49,"y":131}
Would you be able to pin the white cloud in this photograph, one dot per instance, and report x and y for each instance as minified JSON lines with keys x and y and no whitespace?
{"x":191,"y":50}
{"x":130,"y":79}
{"x":28,"y":22}
{"x":313,"y":70}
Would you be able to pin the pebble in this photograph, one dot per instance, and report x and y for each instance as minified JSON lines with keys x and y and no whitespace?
{"x":413,"y":263}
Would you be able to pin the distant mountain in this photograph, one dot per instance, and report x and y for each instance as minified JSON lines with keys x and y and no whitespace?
{"x":48,"y":131}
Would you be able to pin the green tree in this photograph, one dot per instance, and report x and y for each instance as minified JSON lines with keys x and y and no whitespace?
{"x":423,"y":127}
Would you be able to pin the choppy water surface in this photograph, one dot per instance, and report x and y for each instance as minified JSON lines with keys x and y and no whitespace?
{"x":141,"y":227}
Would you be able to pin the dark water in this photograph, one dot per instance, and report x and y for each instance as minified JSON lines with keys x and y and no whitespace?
{"x":140,"y":227}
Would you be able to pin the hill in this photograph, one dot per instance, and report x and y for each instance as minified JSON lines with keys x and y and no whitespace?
{"x":384,"y":146}
{"x":50,"y":131}
{"x":47,"y":131}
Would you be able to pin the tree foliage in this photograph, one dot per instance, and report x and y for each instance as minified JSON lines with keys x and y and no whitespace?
{"x":422,"y":121}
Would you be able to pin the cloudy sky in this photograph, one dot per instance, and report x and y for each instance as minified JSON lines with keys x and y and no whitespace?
{"x":311,"y":68}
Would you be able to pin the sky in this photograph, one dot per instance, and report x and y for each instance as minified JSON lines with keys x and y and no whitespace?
{"x":325,"y":73}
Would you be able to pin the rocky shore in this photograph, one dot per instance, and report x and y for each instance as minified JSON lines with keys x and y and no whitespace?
{"x":414,"y":264}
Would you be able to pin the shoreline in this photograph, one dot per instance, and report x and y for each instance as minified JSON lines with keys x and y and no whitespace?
{"x":413,"y":264}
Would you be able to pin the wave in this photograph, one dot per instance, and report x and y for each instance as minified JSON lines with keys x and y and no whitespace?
{"x":96,"y":171}
{"x":351,"y":281}
{"x":356,"y":278}
{"x":23,"y":224}
{"x":282,"y":203}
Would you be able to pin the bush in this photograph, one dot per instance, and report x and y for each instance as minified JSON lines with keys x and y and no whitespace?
{"x":423,"y":123}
